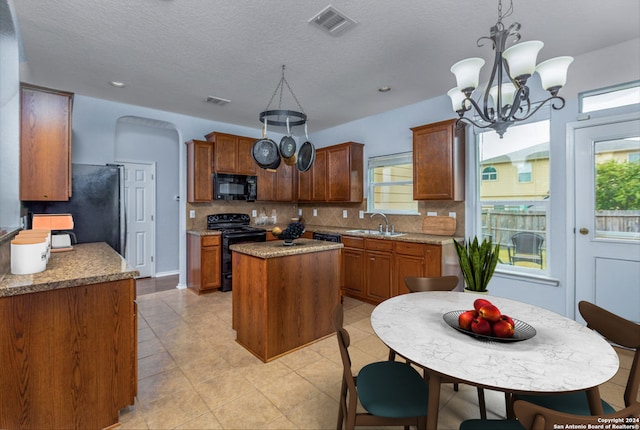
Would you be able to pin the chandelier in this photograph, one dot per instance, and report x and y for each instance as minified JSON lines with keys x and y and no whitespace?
{"x":506,"y":98}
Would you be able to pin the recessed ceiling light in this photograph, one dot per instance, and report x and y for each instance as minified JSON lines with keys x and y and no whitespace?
{"x":384,"y":89}
{"x":117,"y":84}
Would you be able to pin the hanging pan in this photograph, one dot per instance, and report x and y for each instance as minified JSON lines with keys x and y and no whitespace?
{"x":287,"y":144}
{"x":265,"y":151}
{"x":306,"y":154}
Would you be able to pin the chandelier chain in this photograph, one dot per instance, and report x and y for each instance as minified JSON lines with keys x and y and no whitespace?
{"x":280,"y":86}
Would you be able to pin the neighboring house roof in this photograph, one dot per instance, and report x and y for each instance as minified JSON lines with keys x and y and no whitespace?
{"x":535,"y":152}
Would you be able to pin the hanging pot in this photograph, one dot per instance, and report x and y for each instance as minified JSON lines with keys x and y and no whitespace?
{"x":306,"y":156}
{"x":287,"y":144}
{"x":265,"y":151}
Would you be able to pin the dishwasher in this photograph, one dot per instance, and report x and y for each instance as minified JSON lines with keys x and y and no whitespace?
{"x":328,"y":237}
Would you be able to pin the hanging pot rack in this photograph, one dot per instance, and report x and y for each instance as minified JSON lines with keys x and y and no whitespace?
{"x":280,"y":117}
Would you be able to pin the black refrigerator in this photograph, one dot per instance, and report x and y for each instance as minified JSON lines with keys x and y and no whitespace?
{"x":96,"y":204}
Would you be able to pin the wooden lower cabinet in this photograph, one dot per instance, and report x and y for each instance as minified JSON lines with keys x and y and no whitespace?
{"x":68,"y":356}
{"x":203,"y":263}
{"x":373,"y":270}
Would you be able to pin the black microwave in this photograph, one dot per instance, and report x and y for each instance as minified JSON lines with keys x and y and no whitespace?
{"x":234,"y":187}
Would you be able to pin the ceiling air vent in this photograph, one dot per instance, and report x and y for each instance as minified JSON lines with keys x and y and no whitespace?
{"x":332,"y":21}
{"x":217,"y":100}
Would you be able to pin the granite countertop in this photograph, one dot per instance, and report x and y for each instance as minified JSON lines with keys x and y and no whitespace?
{"x":430,"y":239}
{"x":88,"y":263}
{"x":276,"y":248}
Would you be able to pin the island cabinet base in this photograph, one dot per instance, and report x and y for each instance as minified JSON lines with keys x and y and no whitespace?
{"x":281,"y":304}
{"x":68,"y":356}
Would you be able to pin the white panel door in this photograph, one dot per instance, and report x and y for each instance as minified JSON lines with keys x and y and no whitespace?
{"x":140,"y":191}
{"x":607,"y":216}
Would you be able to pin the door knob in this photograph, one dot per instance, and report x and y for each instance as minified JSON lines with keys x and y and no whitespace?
{"x":584,"y":230}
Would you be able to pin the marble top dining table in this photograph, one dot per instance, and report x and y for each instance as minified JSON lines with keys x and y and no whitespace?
{"x":563,"y":356}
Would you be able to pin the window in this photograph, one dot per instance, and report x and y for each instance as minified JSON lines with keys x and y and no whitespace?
{"x":489,"y":174}
{"x":634,"y":157}
{"x":514,"y":193}
{"x":611,"y":97}
{"x":391,"y":184}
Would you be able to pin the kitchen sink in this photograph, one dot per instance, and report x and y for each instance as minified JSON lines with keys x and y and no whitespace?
{"x":375,"y":233}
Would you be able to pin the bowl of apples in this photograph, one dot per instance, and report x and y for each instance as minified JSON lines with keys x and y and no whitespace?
{"x":486,"y":322}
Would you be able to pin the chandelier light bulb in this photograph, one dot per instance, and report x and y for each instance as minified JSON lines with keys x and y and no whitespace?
{"x":457,"y":98}
{"x":553,"y":73}
{"x":521,"y":58}
{"x":508,"y":91}
{"x":467,"y":73}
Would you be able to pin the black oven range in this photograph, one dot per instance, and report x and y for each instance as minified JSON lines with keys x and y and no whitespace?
{"x":235,"y":228}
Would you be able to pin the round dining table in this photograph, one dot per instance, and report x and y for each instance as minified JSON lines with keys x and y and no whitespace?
{"x":562,"y":356}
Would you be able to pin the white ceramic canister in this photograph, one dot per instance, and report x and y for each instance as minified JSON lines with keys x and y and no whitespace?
{"x":28,"y":255}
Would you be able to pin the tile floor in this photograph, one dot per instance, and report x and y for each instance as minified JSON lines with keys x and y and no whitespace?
{"x":193,"y":375}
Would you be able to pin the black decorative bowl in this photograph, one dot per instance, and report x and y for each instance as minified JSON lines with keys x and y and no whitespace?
{"x":522,"y":330}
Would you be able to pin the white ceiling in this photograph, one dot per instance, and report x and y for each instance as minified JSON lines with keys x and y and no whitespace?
{"x":172,"y":54}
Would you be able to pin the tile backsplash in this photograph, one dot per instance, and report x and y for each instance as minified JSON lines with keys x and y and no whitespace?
{"x":329,"y":214}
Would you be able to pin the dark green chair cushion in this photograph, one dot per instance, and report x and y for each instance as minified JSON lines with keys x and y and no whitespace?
{"x":571,"y":403}
{"x":392,"y":389}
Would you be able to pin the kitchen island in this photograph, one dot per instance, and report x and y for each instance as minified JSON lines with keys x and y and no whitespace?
{"x":284,"y":296}
{"x":68,"y":341}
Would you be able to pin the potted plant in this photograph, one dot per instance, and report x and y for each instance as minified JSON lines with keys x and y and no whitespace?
{"x":478,"y":262}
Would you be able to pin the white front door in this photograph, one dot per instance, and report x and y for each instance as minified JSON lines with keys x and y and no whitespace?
{"x":607,"y":217}
{"x":140,"y":206}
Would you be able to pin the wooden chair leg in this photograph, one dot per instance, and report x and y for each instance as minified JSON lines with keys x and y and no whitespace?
{"x":481,"y":403}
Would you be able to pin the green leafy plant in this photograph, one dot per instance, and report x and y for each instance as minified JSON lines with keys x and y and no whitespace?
{"x":478,"y":262}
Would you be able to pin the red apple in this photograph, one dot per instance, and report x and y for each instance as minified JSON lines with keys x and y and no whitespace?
{"x":480,"y":325}
{"x":489,"y":312}
{"x":465,"y":319}
{"x":502,"y":328}
{"x":480,"y":303}
{"x":508,"y":319}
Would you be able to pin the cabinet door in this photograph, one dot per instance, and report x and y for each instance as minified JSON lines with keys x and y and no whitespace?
{"x":267,"y":180}
{"x":246,"y":165}
{"x":199,"y":171}
{"x":338,"y":173}
{"x":225,"y":153}
{"x":210,"y":267}
{"x":305,"y":181}
{"x":353,"y":271}
{"x":285,"y":185}
{"x":438,"y":162}
{"x":378,"y":274}
{"x":45,"y":144}
{"x":403,"y":266}
{"x":319,"y":177}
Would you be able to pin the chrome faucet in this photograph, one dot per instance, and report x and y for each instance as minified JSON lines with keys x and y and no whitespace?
{"x":386,"y":221}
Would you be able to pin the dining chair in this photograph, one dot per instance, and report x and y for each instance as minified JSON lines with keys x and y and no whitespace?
{"x":525,"y":246}
{"x":616,"y":329}
{"x":534,"y":417}
{"x":418,"y":284}
{"x":392,"y":393}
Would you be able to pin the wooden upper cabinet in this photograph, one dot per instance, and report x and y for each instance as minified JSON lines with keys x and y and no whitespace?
{"x":199,"y":171}
{"x":438,"y":161}
{"x":232,"y":154}
{"x":345,"y":172}
{"x":45,"y":144}
{"x":335,"y":176}
{"x":277,"y":185}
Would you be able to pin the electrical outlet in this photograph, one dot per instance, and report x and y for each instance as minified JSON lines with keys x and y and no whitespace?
{"x":254,"y":213}
{"x":344,"y":213}
{"x":432,"y":213}
{"x":361,"y":214}
{"x":192,"y":214}
{"x":315,"y":212}
{"x":452,"y":215}
{"x":299,"y":212}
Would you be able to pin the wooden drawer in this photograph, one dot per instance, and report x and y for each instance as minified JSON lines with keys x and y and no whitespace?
{"x":209,"y":240}
{"x":353,"y":242}
{"x":378,"y":245}
{"x":408,"y":248}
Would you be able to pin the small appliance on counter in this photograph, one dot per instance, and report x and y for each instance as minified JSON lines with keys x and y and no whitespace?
{"x":60,"y":226}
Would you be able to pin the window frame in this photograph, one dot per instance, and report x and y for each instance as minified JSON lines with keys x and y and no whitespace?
{"x":493,"y":172}
{"x":605,"y":90}
{"x":388,"y":160}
